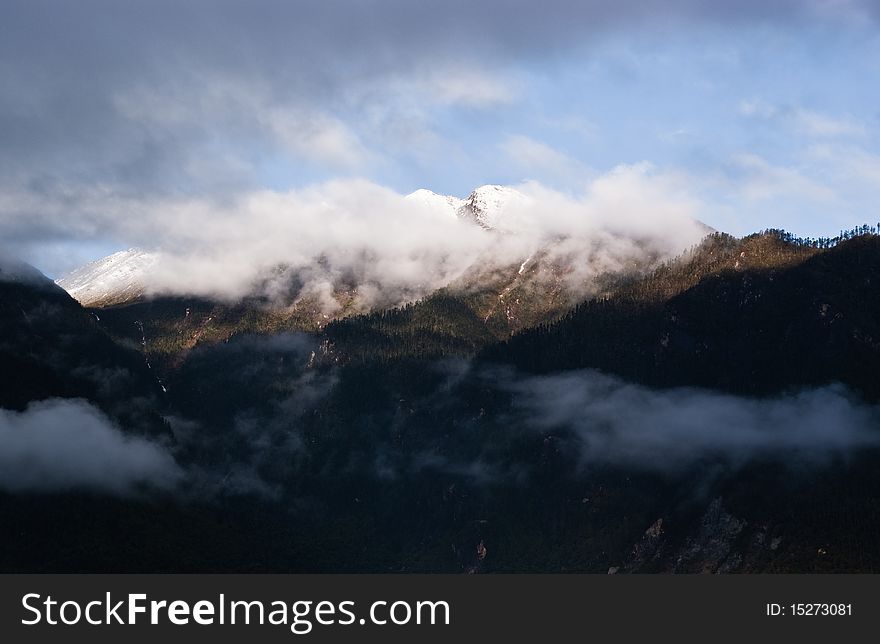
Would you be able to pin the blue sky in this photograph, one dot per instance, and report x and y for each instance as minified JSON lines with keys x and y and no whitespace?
{"x":767,"y":112}
{"x":766,"y":120}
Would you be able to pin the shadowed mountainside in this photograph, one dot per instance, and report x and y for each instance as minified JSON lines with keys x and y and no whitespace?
{"x":410,"y":440}
{"x":755,"y":316}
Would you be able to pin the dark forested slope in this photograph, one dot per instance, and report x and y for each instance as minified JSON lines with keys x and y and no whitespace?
{"x":754,"y":316}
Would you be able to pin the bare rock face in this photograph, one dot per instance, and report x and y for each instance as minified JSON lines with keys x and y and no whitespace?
{"x":647,"y":551}
{"x":712,"y":549}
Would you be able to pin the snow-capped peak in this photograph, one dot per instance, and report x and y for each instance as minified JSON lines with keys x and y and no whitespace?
{"x":441,"y":204}
{"x":111,"y":280}
{"x":487,"y":204}
{"x":123,"y":276}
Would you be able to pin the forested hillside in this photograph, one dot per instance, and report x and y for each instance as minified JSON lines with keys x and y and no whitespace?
{"x":753,"y":316}
{"x":689,"y":420}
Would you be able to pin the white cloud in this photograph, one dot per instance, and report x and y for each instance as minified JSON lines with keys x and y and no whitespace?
{"x":577,"y":125}
{"x":318,"y":137}
{"x":625,"y":424}
{"x":540,"y":161}
{"x":358,"y":232}
{"x":804,"y":121}
{"x":820,"y":125}
{"x":246,"y":114}
{"x":760,"y":180}
{"x":466,"y":87}
{"x":757,"y":108}
{"x":61,"y":444}
{"x":851,"y":164}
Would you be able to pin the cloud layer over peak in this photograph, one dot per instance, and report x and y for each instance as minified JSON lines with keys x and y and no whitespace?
{"x":394,"y":249}
{"x":110,"y":110}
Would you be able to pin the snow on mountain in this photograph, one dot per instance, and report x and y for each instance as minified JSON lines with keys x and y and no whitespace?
{"x":120,"y":277}
{"x":485,"y":206}
{"x":441,"y":204}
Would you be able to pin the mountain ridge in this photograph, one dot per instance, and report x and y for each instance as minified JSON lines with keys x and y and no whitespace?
{"x":496,"y":211}
{"x":410,"y":439}
{"x":114,"y":279}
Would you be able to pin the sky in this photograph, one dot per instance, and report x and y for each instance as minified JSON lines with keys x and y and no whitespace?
{"x":118,"y":120}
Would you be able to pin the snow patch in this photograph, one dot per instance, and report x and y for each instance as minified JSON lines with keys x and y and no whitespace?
{"x":114,"y":279}
{"x":488,"y":205}
{"x":485,"y":206}
{"x":444,"y":205}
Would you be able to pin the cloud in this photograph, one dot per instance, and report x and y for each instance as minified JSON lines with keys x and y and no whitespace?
{"x":760,"y":180}
{"x":542,"y":161}
{"x":809,"y":122}
{"x":758,"y":108}
{"x":110,"y":105}
{"x":592,"y":418}
{"x":271,"y":423}
{"x":466,"y":87}
{"x":60,"y":444}
{"x":619,"y":423}
{"x":851,"y":163}
{"x":252,"y":439}
{"x":320,"y":137}
{"x":820,"y":125}
{"x":247,"y":113}
{"x":355,"y":233}
{"x":78,"y":82}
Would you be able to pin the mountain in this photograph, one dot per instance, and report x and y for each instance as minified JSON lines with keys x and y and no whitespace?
{"x":486,"y":206}
{"x":123,"y":276}
{"x":515,"y":283}
{"x":414,"y":439}
{"x":53,"y":348}
{"x":514,"y":252}
{"x":439,"y":204}
{"x":115,"y":279}
{"x":751,"y":316}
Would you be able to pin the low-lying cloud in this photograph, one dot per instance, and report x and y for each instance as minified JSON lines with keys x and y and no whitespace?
{"x":349,"y":234}
{"x":587,"y":418}
{"x":619,"y":423}
{"x":250,"y":439}
{"x":60,"y":445}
